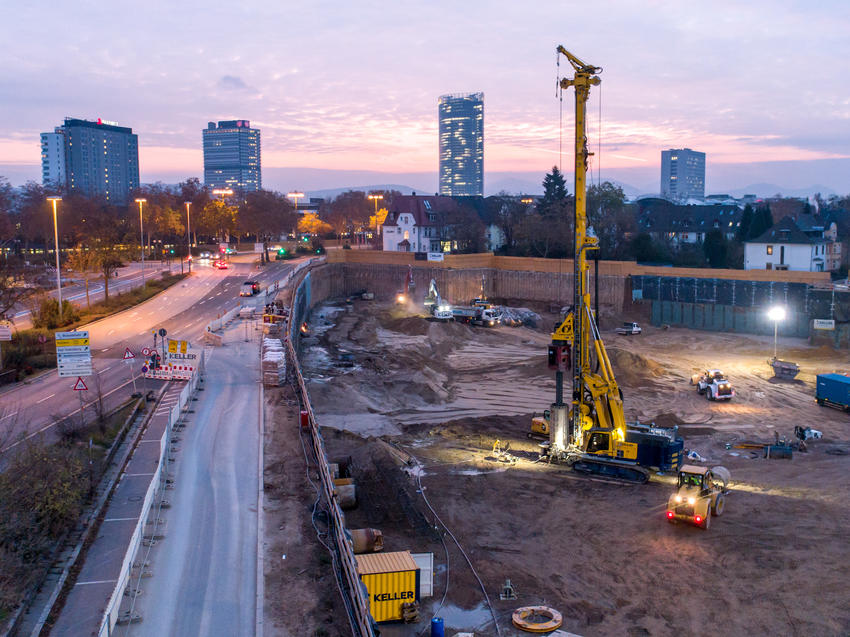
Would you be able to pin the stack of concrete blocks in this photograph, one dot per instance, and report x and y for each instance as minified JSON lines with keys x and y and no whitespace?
{"x":274,"y":362}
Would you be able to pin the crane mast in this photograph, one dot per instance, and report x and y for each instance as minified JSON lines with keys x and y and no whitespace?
{"x":591,"y":434}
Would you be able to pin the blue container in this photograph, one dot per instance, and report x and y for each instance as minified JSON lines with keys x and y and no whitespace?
{"x":833,"y":390}
{"x":437,"y":629}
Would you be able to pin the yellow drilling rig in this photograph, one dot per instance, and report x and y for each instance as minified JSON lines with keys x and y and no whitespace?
{"x":590,"y":434}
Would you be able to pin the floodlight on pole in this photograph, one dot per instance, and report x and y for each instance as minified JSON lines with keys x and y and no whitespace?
{"x":776,"y":314}
{"x":296,"y":196}
{"x":375,"y":198}
{"x":189,"y":233}
{"x":141,"y":202}
{"x":55,"y":201}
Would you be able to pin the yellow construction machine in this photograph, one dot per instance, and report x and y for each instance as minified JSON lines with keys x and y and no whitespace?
{"x":590,"y":433}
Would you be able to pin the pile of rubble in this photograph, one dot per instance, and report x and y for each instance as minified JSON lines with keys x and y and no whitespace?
{"x":274,"y":362}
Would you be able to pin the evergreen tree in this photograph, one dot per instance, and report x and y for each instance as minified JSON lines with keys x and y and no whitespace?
{"x":554,"y":193}
{"x":715,"y":248}
{"x":762,"y":221}
{"x":746,"y":224}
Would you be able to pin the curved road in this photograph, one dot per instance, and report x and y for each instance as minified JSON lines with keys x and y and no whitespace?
{"x":33,"y":408}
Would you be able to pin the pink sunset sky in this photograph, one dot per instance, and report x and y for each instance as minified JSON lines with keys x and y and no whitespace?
{"x":354,"y":86}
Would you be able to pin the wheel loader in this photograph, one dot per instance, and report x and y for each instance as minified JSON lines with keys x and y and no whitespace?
{"x":701,"y":495}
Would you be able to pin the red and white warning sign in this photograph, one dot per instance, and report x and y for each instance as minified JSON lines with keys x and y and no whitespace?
{"x":181,"y":372}
{"x":128,"y":355}
{"x":80,"y":385}
{"x":146,"y":351}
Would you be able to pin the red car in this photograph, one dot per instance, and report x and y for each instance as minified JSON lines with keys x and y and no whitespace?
{"x":221,"y":265}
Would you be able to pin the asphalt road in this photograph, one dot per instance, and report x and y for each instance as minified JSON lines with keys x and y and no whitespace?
{"x":184,"y":310}
{"x":205,"y":570}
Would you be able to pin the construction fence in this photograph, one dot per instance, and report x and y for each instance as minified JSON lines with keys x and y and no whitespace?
{"x":356,"y":597}
{"x":742,"y":306}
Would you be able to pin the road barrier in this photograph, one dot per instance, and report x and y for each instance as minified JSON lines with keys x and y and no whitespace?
{"x":156,"y":487}
{"x":358,"y":600}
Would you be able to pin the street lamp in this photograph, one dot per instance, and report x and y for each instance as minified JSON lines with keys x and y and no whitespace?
{"x":295,"y":195}
{"x":189,"y":233}
{"x":55,"y":201}
{"x":375,"y":199}
{"x":776,"y":314}
{"x":141,"y":201}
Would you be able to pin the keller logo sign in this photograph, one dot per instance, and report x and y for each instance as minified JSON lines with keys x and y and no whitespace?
{"x":391,"y":597}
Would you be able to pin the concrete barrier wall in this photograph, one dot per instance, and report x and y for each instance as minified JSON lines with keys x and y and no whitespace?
{"x":460,"y":286}
{"x":554,"y":266}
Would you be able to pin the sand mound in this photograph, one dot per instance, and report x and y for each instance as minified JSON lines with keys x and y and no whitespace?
{"x":408,"y":325}
{"x":633,"y":369}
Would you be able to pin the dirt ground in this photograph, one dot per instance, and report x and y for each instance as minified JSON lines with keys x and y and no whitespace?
{"x":386,"y":383}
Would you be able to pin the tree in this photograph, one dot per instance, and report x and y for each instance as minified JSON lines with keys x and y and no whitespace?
{"x":508,"y":213}
{"x":762,"y":221}
{"x":541,"y":237}
{"x":86,"y":263}
{"x":715,"y":248}
{"x":309,"y":223}
{"x":609,"y":218}
{"x":747,"y":216}
{"x":554,"y":194}
{"x":464,"y":228}
{"x":265,"y":214}
{"x":645,"y":249}
{"x":16,"y":285}
{"x":217,"y":219}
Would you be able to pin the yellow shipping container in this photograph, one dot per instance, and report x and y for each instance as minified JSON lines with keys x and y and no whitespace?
{"x":391,"y":579}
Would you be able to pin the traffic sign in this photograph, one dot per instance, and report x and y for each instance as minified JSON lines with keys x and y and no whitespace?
{"x":128,"y":355}
{"x":80,"y":385}
{"x":73,"y":354}
{"x":5,"y":331}
{"x":144,"y":369}
{"x":146,"y":351}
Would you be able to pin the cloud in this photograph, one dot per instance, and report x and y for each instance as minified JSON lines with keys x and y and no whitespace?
{"x":234,"y":83}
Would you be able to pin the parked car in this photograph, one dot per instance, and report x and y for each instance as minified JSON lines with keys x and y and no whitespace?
{"x":629,"y":329}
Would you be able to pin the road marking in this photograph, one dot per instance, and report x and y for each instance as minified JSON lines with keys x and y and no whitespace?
{"x":136,"y":475}
{"x":120,"y":519}
{"x":106,"y":370}
{"x":105,"y":349}
{"x":101,"y":581}
{"x":9,"y":415}
{"x":43,"y":399}
{"x":109,"y":332}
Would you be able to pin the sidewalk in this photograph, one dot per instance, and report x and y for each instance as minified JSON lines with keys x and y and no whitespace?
{"x":83,"y":610}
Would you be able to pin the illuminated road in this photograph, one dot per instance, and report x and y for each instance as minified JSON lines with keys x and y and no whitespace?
{"x":183,"y":310}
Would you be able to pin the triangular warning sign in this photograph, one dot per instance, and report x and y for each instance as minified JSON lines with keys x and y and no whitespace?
{"x":80,"y":385}
{"x":128,"y":354}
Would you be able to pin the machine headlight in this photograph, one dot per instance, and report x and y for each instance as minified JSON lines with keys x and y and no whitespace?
{"x":678,"y":498}
{"x":692,"y":501}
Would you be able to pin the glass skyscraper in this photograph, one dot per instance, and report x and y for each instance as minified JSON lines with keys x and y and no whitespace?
{"x":682,"y":174}
{"x":95,"y":158}
{"x":462,"y":144}
{"x":232,"y":156}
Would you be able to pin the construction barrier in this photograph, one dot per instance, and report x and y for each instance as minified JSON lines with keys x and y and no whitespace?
{"x":156,"y":486}
{"x":358,"y":598}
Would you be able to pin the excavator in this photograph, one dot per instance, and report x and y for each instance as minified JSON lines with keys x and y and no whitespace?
{"x":590,"y":434}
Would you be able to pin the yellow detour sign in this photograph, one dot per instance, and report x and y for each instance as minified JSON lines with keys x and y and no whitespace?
{"x":177,"y":346}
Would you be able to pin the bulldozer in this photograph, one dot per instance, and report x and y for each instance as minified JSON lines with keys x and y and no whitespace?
{"x":700,"y":495}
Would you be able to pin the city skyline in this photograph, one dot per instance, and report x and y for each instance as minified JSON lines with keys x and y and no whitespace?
{"x":351,"y":106}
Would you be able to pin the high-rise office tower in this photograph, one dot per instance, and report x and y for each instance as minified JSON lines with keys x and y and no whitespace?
{"x":682,"y":174}
{"x":95,"y":158}
{"x":53,"y":158}
{"x":462,"y":144}
{"x":232,"y":156}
